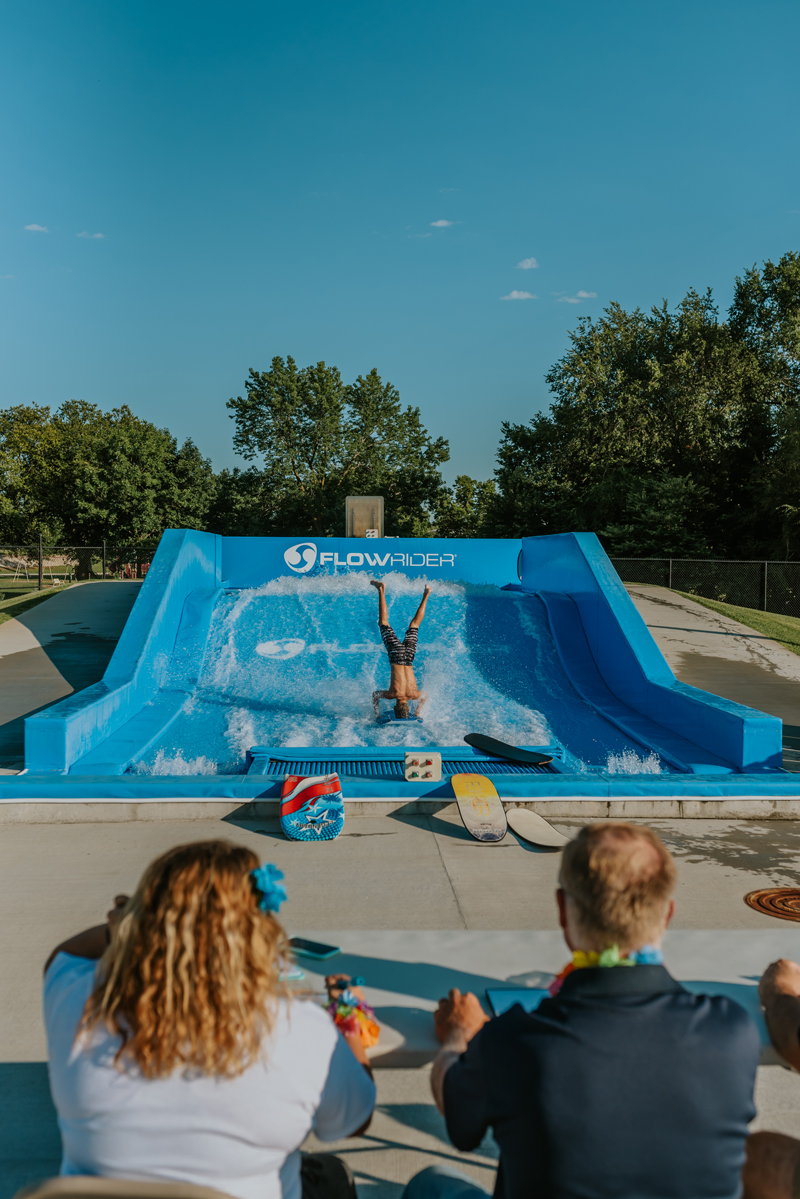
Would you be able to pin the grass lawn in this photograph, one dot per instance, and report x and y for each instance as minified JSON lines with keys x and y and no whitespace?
{"x":17,"y":604}
{"x":783,"y":629}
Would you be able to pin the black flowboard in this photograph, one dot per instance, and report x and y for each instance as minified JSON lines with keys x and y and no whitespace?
{"x":499,"y":749}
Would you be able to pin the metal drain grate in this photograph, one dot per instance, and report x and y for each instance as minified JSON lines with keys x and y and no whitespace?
{"x":783,"y":902}
{"x":383,"y":768}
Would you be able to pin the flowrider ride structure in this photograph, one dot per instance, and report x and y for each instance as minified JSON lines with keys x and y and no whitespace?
{"x":247,"y":659}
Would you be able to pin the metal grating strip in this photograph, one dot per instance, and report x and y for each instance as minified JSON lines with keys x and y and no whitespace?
{"x":386,"y":768}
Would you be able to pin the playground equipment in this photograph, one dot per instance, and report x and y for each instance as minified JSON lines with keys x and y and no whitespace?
{"x":247,"y":659}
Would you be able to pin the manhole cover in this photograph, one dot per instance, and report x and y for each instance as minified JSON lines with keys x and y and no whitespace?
{"x":783,"y":902}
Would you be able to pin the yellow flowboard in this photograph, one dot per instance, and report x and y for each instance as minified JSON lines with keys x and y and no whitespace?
{"x":480,"y":807}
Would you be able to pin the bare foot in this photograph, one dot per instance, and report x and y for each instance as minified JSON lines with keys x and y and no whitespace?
{"x":377,"y":583}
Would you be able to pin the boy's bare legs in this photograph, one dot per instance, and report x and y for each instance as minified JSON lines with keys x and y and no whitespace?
{"x":420,"y":612}
{"x":383,"y":611}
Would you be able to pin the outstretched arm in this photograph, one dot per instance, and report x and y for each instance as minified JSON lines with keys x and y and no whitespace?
{"x":383,"y":611}
{"x":376,"y":695}
{"x":92,"y":942}
{"x":423,"y":695}
{"x":420,"y":612}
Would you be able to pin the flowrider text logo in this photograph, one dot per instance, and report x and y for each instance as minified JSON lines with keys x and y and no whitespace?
{"x":301,"y":557}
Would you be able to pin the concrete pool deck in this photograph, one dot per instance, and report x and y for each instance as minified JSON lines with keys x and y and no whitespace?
{"x":390,"y":875}
{"x":57,"y":647}
{"x":485,"y":912}
{"x":717,"y":654}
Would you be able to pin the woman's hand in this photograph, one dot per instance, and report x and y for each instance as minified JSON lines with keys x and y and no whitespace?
{"x":114,"y":915}
{"x":92,"y":942}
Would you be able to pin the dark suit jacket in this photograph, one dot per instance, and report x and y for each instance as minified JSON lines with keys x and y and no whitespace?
{"x":624,"y":1086}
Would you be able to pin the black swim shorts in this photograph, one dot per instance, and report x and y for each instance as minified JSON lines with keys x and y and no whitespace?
{"x":401,"y":653}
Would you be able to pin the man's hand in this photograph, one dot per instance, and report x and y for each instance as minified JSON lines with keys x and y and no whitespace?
{"x":779,"y":978}
{"x":456,"y":1021}
{"x":779,"y":992}
{"x":458,"y":1018}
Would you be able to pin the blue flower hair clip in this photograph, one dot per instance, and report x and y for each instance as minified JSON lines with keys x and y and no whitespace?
{"x":266,"y":880}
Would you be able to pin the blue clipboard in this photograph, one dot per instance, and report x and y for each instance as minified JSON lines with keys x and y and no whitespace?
{"x":500,"y":999}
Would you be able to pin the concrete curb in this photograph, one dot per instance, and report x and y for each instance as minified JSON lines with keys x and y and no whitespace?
{"x":123,"y":812}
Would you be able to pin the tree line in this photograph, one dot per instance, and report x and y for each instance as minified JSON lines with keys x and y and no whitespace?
{"x":670,"y":433}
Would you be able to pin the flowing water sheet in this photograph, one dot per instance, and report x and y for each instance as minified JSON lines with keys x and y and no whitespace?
{"x":294,"y":663}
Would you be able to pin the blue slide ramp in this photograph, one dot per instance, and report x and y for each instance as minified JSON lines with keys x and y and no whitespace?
{"x":245,"y":657}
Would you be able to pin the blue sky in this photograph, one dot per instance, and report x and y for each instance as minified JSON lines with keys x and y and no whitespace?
{"x":358,"y":183}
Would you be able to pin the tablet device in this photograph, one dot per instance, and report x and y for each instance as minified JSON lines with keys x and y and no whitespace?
{"x":500,"y":999}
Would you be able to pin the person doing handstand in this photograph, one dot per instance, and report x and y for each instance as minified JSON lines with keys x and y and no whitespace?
{"x":403,"y":685}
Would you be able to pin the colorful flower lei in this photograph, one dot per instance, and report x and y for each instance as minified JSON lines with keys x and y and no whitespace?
{"x":352,"y":1015}
{"x":648,"y":955}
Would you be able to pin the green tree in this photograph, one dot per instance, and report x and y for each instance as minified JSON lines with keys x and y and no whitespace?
{"x":463,"y":510}
{"x":119,"y":478}
{"x":82,"y":476}
{"x":765,"y":314}
{"x":241,"y":506}
{"x":654,"y":415}
{"x":26,"y":452}
{"x":320,"y":440}
{"x":661,"y":519}
{"x":765,"y":317}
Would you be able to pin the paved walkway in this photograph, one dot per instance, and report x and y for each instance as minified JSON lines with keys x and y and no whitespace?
{"x":62,"y":645}
{"x":384,"y":873}
{"x":717,"y":654}
{"x":392,"y":875}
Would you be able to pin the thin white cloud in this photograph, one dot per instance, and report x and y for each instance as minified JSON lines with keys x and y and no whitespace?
{"x":442,"y":190}
{"x":576,"y":299}
{"x":519,"y":295}
{"x":37,"y":228}
{"x":587,"y":295}
{"x":440,"y":224}
{"x":527,"y":264}
{"x":6,"y":276}
{"x":415,"y":235}
{"x":91,"y":236}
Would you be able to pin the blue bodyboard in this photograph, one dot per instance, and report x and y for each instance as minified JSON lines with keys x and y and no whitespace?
{"x":390,"y":718}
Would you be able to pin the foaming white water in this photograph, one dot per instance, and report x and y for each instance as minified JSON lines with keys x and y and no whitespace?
{"x":177,"y":764}
{"x":295,"y":662}
{"x":294,"y":655}
{"x":629,"y":762}
{"x":358,"y":583}
{"x":240,"y":732}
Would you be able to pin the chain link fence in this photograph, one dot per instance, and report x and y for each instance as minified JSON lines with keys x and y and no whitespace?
{"x":767,"y":586}
{"x":25,"y":568}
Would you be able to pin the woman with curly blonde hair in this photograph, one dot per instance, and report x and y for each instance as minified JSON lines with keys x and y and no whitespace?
{"x":174,"y":1051}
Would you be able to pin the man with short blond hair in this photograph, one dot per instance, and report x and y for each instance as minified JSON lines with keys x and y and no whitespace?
{"x":619,"y":880}
{"x":622,"y":1084}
